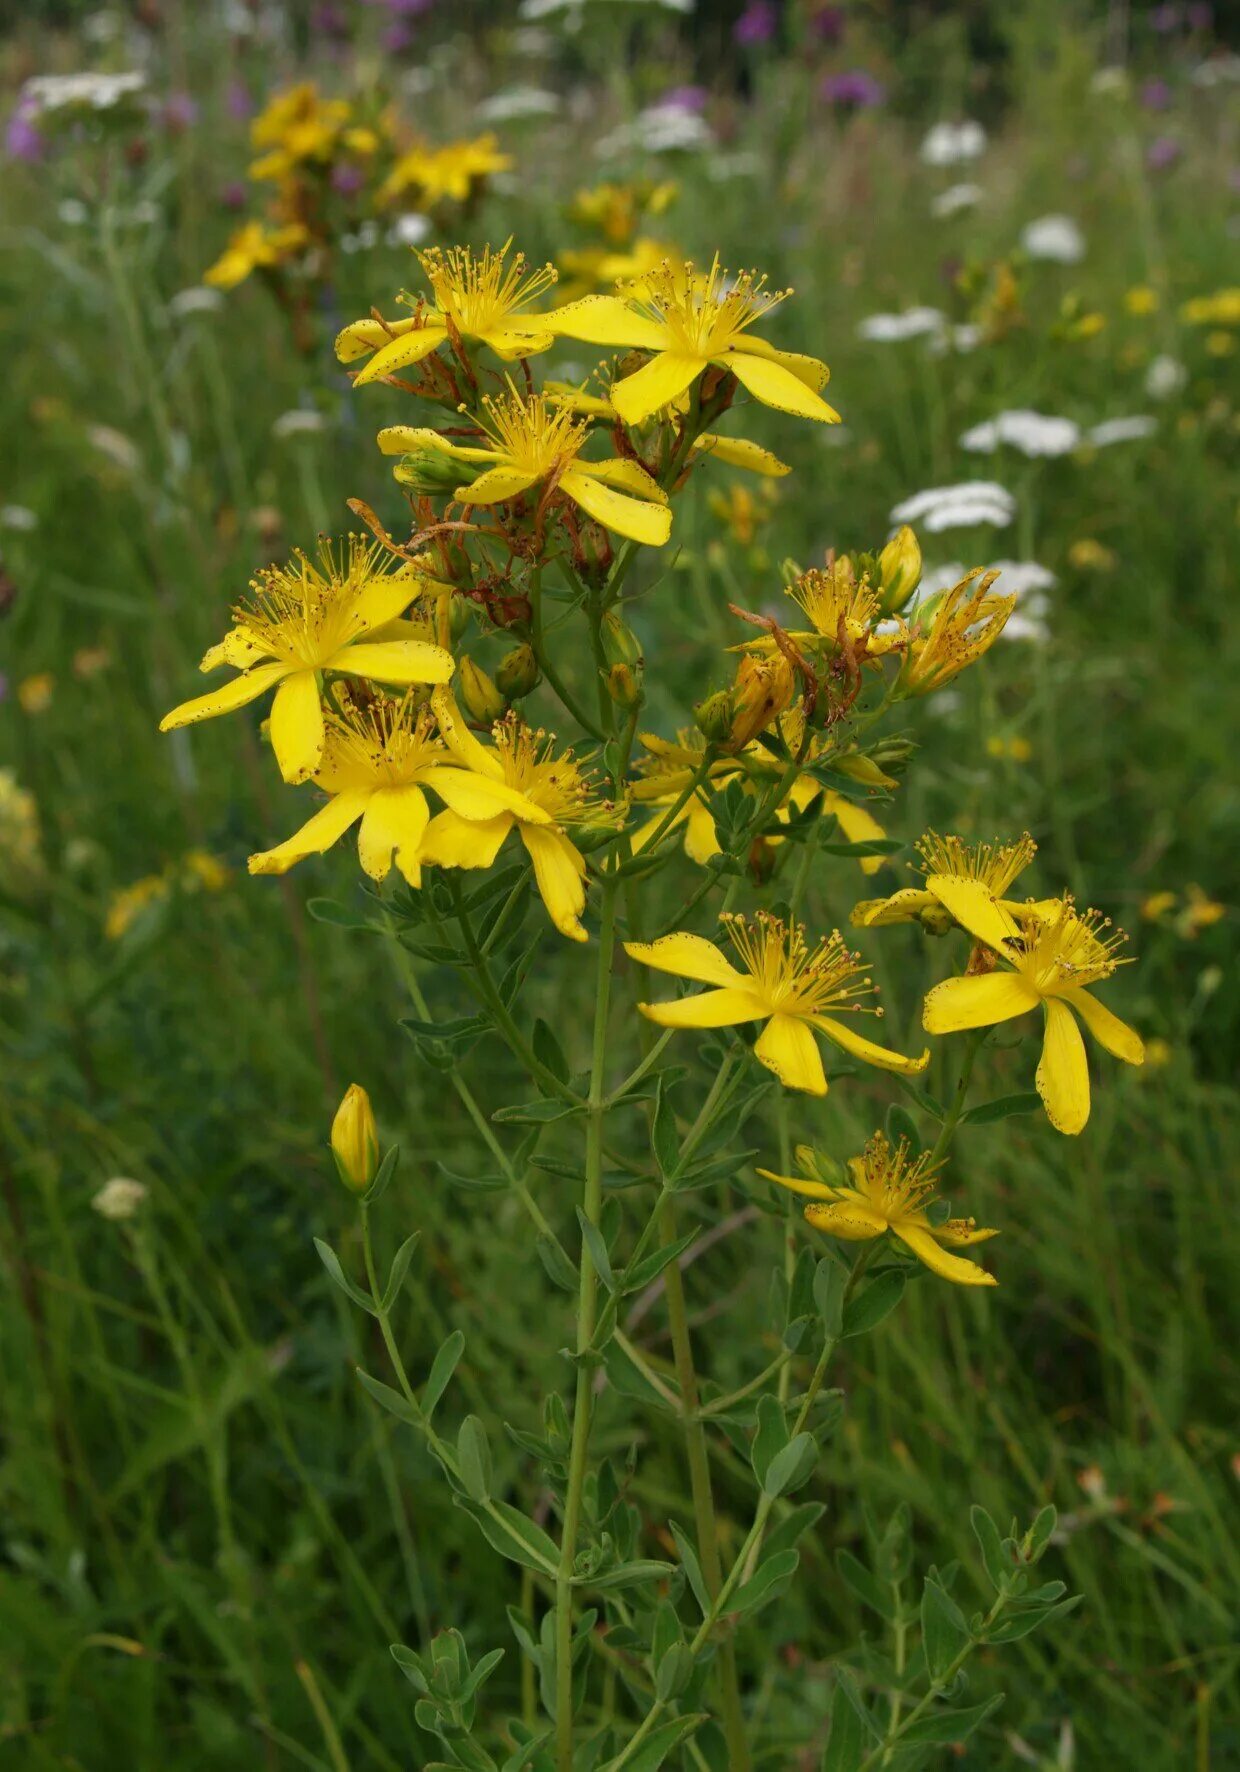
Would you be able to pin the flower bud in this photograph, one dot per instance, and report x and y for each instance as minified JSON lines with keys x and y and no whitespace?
{"x":860,"y":767}
{"x":477,"y":693}
{"x":355,"y":1142}
{"x":620,"y":643}
{"x":764,"y":687}
{"x":518,"y":673}
{"x":433,"y":472}
{"x":899,"y":570}
{"x":713,"y":717}
{"x":624,"y":685}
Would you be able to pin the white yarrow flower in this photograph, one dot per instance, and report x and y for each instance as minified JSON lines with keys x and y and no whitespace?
{"x":957,"y":507}
{"x":952,"y":144}
{"x":1032,"y":433}
{"x":892,"y":328}
{"x":517,"y":103}
{"x":301,"y":421}
{"x":1122,"y":430}
{"x":954,"y":199}
{"x":197,"y":300}
{"x":1165,"y":377}
{"x":19,"y":517}
{"x":119,"y":1198}
{"x":1056,"y":238}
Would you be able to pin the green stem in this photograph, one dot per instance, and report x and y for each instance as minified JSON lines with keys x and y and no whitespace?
{"x":947,"y":1132}
{"x":879,"y":1755}
{"x":587,"y":1304}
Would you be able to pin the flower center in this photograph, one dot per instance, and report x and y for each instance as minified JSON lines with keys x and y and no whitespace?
{"x":791,"y":977}
{"x":1072,"y":948}
{"x":531,"y":436}
{"x":994,"y":865}
{"x":302,"y":613}
{"x":480,"y":293}
{"x":704,"y":314}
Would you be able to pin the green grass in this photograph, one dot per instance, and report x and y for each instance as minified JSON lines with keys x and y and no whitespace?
{"x":209,"y":1535}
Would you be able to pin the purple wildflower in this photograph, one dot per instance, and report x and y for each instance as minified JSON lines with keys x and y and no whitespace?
{"x":22,"y":140}
{"x":1162,"y":153}
{"x":858,"y":88}
{"x":756,"y":24}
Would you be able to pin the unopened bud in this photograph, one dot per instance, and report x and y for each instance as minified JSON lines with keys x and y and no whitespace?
{"x":355,"y":1142}
{"x":859,"y":767}
{"x":433,"y":471}
{"x":893,"y":755}
{"x":620,"y":643}
{"x":624,"y":685}
{"x":713,"y":717}
{"x":518,"y":673}
{"x":477,"y":693}
{"x":899,"y":570}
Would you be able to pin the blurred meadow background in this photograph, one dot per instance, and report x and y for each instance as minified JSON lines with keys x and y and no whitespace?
{"x":208,"y":1536}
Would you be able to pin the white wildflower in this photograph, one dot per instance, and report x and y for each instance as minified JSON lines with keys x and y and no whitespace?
{"x":1054,"y":237}
{"x":1032,"y":433}
{"x":954,"y":199}
{"x":301,"y":421}
{"x":198,"y":299}
{"x":516,"y":103}
{"x":1165,"y":377}
{"x":952,"y":144}
{"x":957,"y":507}
{"x":409,"y":229}
{"x":1122,"y":430}
{"x":17,"y":517}
{"x":892,"y":328}
{"x":119,"y":1198}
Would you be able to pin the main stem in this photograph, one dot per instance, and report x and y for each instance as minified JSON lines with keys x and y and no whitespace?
{"x":587,"y":1307}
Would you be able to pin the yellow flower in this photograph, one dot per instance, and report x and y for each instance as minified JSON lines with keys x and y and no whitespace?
{"x":355,"y":1139}
{"x":740,"y":512}
{"x":255,"y":248}
{"x":1220,"y":343}
{"x":1016,"y":749}
{"x":763,"y":689}
{"x":591,"y":267}
{"x":21,"y":859}
{"x":1141,"y":300}
{"x":378,"y":759}
{"x":1088,"y":555}
{"x":734,"y":452}
{"x":477,"y":295}
{"x":783,"y":982}
{"x":1200,"y":912}
{"x":529,"y":443}
{"x":304,"y":619}
{"x":1050,"y":961}
{"x":296,"y":125}
{"x":666,"y":772}
{"x":946,"y":860}
{"x":447,"y":173}
{"x":690,"y":322}
{"x":888,"y":1191}
{"x":126,"y":905}
{"x":953,"y":631}
{"x":202,"y":871}
{"x":34,"y":693}
{"x":546,"y":792}
{"x":1220,"y":309}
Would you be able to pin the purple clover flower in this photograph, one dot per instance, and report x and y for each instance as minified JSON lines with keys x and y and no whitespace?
{"x":858,"y":88}
{"x":756,"y":24}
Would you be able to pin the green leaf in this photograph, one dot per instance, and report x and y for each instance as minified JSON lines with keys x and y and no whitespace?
{"x":547,"y":1049}
{"x":790,"y":1530}
{"x":1027,"y":1102}
{"x":872,"y":846}
{"x":326,"y":910}
{"x":633,"y":1280}
{"x":513,"y":1536}
{"x":474,"y":1457}
{"x":660,"y":1742}
{"x":692,"y":1568}
{"x":997,"y":1563}
{"x":383,"y":1176}
{"x":946,"y":1726}
{"x":791,"y":1467}
{"x":331,"y":1261}
{"x":770,"y":1579}
{"x":771,"y":1437}
{"x":389,"y":1399}
{"x":535,"y":1113}
{"x":410,"y":1666}
{"x":474,"y":1184}
{"x":673,"y":1673}
{"x":944,"y":1631}
{"x":830,"y":1280}
{"x":1010,"y":1629}
{"x":874,"y":1302}
{"x":867,"y":1587}
{"x":901,"y":1125}
{"x":398,"y":1270}
{"x":1039,"y":1534}
{"x":440,"y":1375}
{"x":629,"y":1574}
{"x":593,"y":1239}
{"x":846,"y":1743}
{"x":560,"y":1270}
{"x":664,"y":1140}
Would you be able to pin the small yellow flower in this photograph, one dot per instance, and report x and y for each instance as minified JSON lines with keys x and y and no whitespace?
{"x":296,"y":125}
{"x":764,"y":689}
{"x":783,"y":982}
{"x":1220,"y":309}
{"x":899,"y":570}
{"x":1050,"y":960}
{"x":1200,"y":912}
{"x":255,"y":248}
{"x":1157,"y":1053}
{"x":34,"y":693}
{"x":546,"y":792}
{"x":1016,"y":750}
{"x":202,"y":871}
{"x":944,"y":861}
{"x":89,"y":661}
{"x":302,"y":620}
{"x":1220,"y":343}
{"x":891,"y":1191}
{"x":479,"y":296}
{"x":1141,"y":300}
{"x":355,"y":1139}
{"x":445,"y":174}
{"x":127,"y":905}
{"x":1158,"y":905}
{"x":953,"y":631}
{"x":741,"y":514}
{"x":689,"y":321}
{"x":528,"y":444}
{"x":1088,"y":555}
{"x":21,"y":858}
{"x":593,"y":267}
{"x":665,"y":772}
{"x":378,"y":759}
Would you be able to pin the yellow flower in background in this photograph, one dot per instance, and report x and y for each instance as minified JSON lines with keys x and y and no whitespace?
{"x":479,"y":295}
{"x":21,"y":857}
{"x":128,"y":903}
{"x":1220,"y":309}
{"x":1015,"y":750}
{"x":994,"y":867}
{"x":530,"y":443}
{"x":296,"y":125}
{"x":1050,"y":960}
{"x":888,"y":1190}
{"x":953,"y":631}
{"x":379,"y":758}
{"x":1220,"y":343}
{"x":1141,"y":300}
{"x":202,"y":871}
{"x":740,"y":513}
{"x":90,"y":661}
{"x":593,"y":267}
{"x":781,"y":981}
{"x":35,"y":693}
{"x":1197,"y":912}
{"x":445,"y":174}
{"x":304,"y":619}
{"x":355,"y":1139}
{"x":255,"y":248}
{"x":547,"y":793}
{"x":1088,"y":555}
{"x":615,"y":210}
{"x":690,"y":322}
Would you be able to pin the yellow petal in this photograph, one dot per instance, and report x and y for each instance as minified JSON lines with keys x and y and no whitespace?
{"x":510,"y":342}
{"x":958,"y":1232}
{"x":480,"y":796}
{"x":798,"y":1184}
{"x":393,"y":826}
{"x":242,"y":689}
{"x":979,"y":1002}
{"x":361,"y":336}
{"x":606,"y":320}
{"x":701,"y":838}
{"x":642,"y":837}
{"x":399,"y":353}
{"x":936,"y":1258}
{"x":465,"y":747}
{"x":626,"y":476}
{"x":1115,"y":1035}
{"x":841,"y":1218}
{"x":860,"y":1047}
{"x":297,"y":730}
{"x":710,"y":1009}
{"x":655,"y":385}
{"x":902,"y":907}
{"x":497,"y":485}
{"x":776,"y":386}
{"x":786,"y":1046}
{"x":858,"y":826}
{"x":455,"y":842}
{"x":976,"y":909}
{"x":640,"y":521}
{"x":688,"y":956}
{"x":329,"y":824}
{"x":811,"y":370}
{"x":394,"y":661}
{"x":559,"y":873}
{"x":384,"y":598}
{"x":239,"y":648}
{"x":739,"y":452}
{"x":1063,"y":1070}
